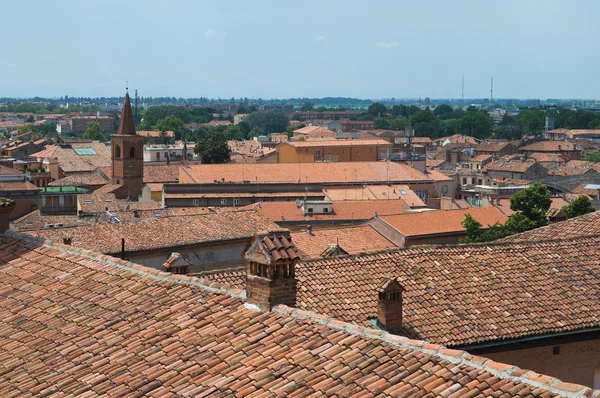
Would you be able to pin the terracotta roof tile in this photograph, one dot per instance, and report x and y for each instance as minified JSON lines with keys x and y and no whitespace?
{"x":79,"y":180}
{"x":167,"y":232}
{"x":305,"y":144}
{"x":441,"y":221}
{"x":516,"y":166}
{"x":336,"y":172}
{"x":352,"y":240}
{"x":115,"y":328}
{"x":342,"y":210}
{"x":586,"y":225}
{"x":441,"y":305}
{"x":550,"y":146}
{"x":161,"y":173}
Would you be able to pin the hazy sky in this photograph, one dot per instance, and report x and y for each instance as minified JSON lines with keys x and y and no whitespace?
{"x":280,"y":48}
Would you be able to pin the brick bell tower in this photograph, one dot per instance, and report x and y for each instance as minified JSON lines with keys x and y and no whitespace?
{"x":127,"y":155}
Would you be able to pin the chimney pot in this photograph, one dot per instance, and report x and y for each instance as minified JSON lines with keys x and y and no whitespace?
{"x":271,"y":276}
{"x":309,"y":230}
{"x":6,"y":207}
{"x":389,"y":304}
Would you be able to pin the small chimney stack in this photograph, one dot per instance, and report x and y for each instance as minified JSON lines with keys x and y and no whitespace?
{"x":389,"y":305}
{"x":176,"y":264}
{"x":271,"y":273}
{"x":309,"y":230}
{"x":6,"y":207}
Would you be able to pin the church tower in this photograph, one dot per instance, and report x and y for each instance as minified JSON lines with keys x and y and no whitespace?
{"x":127,"y":155}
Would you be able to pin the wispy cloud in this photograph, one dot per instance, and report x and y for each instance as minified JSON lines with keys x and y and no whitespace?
{"x":386,"y":44}
{"x":319,"y":38}
{"x":214,"y":34}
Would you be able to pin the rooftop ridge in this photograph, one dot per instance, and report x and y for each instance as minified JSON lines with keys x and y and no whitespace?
{"x":457,"y":357}
{"x":496,"y":243}
{"x":213,"y":287}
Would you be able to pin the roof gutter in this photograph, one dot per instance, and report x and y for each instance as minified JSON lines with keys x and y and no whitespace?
{"x":525,"y":339}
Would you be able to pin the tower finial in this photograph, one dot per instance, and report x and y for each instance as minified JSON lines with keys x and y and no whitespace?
{"x":126,"y":85}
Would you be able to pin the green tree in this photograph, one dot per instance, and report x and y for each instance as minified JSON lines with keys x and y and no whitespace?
{"x":441,"y":109}
{"x":155,"y":113}
{"x":425,"y":123}
{"x":214,"y":149}
{"x":270,"y":122}
{"x":475,"y":124}
{"x":399,"y":110}
{"x":533,"y":202}
{"x":93,"y":132}
{"x":307,"y":106}
{"x":234,"y":132}
{"x":593,"y":157}
{"x":398,"y":123}
{"x":531,"y":121}
{"x":475,"y":233}
{"x":449,"y":126}
{"x":381,"y":122}
{"x":579,"y":206}
{"x":171,"y":123}
{"x":377,"y":109}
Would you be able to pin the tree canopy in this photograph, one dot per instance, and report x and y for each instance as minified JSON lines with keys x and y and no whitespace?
{"x":579,"y":206}
{"x":171,"y":123}
{"x":93,"y":131}
{"x":475,"y":124}
{"x":530,"y":206}
{"x":214,"y":149}
{"x":273,"y":121}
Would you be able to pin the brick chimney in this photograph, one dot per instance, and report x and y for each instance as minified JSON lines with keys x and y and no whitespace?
{"x":271,"y":278}
{"x":389,"y":305}
{"x":6,"y":207}
{"x":177,"y":264}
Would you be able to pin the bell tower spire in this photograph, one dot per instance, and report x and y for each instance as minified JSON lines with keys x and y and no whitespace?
{"x":127,"y":155}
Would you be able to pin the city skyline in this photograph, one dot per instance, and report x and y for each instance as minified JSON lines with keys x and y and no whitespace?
{"x":271,"y":50}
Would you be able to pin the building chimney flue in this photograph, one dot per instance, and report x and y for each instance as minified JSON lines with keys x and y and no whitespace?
{"x":6,"y":207}
{"x":271,"y":273}
{"x":309,"y":230}
{"x":389,"y":305}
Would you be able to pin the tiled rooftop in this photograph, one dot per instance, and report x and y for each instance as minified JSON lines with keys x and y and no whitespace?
{"x":441,"y":221}
{"x":465,"y":294}
{"x":161,"y":173}
{"x":342,"y":210}
{"x":352,"y":240}
{"x":515,"y":166}
{"x":76,"y":323}
{"x":79,"y":180}
{"x":95,"y":154}
{"x":586,"y":225}
{"x":335,"y":172}
{"x":162,"y":233}
{"x":550,"y":146}
{"x":306,"y":144}
{"x":369,"y":192}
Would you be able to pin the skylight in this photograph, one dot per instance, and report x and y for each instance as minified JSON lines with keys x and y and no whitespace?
{"x":84,"y":151}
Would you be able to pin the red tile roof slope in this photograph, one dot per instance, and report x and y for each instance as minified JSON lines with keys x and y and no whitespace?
{"x":335,"y":172}
{"x":160,"y":233}
{"x":441,"y":221}
{"x":160,"y":173}
{"x":342,"y":210}
{"x":76,"y":323}
{"x":586,"y":225}
{"x":466,"y":294}
{"x":550,"y":146}
{"x":353,"y":240}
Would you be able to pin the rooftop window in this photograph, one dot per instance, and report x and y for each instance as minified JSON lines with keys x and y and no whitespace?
{"x":84,"y":151}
